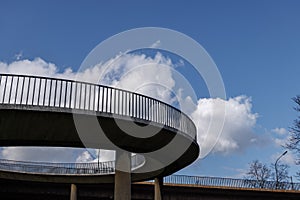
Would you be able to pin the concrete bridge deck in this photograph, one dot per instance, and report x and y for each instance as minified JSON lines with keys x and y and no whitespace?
{"x":13,"y":189}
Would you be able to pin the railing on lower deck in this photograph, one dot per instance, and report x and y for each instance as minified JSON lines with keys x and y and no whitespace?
{"x":230,"y":182}
{"x":57,"y":168}
{"x":92,"y":168}
{"x":101,"y":168}
{"x":69,"y":94}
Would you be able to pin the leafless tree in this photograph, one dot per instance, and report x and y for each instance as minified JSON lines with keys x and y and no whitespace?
{"x":258,"y":174}
{"x":283,"y":173}
{"x":293,"y":143}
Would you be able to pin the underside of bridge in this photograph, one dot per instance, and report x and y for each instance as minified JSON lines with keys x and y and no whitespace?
{"x":15,"y":189}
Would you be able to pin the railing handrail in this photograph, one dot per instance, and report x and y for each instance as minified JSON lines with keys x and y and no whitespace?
{"x":95,"y":84}
{"x":42,"y":163}
{"x":61,"y":168}
{"x":230,"y":182}
{"x":108,"y":167}
{"x":186,"y":124}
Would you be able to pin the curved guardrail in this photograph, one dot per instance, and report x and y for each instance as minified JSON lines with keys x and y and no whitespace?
{"x":102,"y":168}
{"x":230,"y":182}
{"x":91,"y":168}
{"x":70,"y":94}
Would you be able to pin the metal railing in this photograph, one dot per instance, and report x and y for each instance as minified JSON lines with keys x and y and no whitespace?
{"x":230,"y":182}
{"x":92,"y":168}
{"x":70,"y":94}
{"x":95,"y":168}
{"x":57,"y":168}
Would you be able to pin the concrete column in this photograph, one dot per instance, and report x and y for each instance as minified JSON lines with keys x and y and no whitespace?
{"x":158,"y":188}
{"x":123,"y":176}
{"x":73,"y":194}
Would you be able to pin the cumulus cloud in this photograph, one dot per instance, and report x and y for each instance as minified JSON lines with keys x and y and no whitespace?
{"x":237,"y":133}
{"x":44,"y":154}
{"x":152,"y":76}
{"x":29,"y":67}
{"x":142,"y":74}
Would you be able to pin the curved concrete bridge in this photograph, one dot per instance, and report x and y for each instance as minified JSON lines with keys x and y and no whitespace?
{"x":41,"y":111}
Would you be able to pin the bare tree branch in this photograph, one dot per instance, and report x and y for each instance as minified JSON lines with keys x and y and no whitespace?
{"x":293,"y":143}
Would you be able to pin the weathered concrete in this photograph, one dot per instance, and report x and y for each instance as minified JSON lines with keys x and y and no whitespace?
{"x":123,"y":176}
{"x":13,"y":189}
{"x":158,"y":188}
{"x":39,"y":126}
{"x":73,"y":193}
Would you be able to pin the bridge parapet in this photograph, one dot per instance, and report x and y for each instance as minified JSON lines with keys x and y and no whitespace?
{"x":45,"y":92}
{"x":229,"y":183}
{"x":79,"y":168}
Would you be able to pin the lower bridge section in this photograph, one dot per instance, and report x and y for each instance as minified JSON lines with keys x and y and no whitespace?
{"x":13,"y":189}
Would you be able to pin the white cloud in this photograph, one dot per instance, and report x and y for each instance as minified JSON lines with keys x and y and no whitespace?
{"x":44,"y":154}
{"x":279,"y":137}
{"x":237,"y":133}
{"x":142,"y":74}
{"x":152,"y":76}
{"x":280,"y":131}
{"x":30,"y":67}
{"x":280,"y":142}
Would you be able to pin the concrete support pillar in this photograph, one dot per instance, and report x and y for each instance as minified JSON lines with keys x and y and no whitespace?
{"x":123,"y":176}
{"x":158,"y":188}
{"x":73,"y":194}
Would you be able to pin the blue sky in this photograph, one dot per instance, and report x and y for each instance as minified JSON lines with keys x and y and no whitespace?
{"x":255,"y":44}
